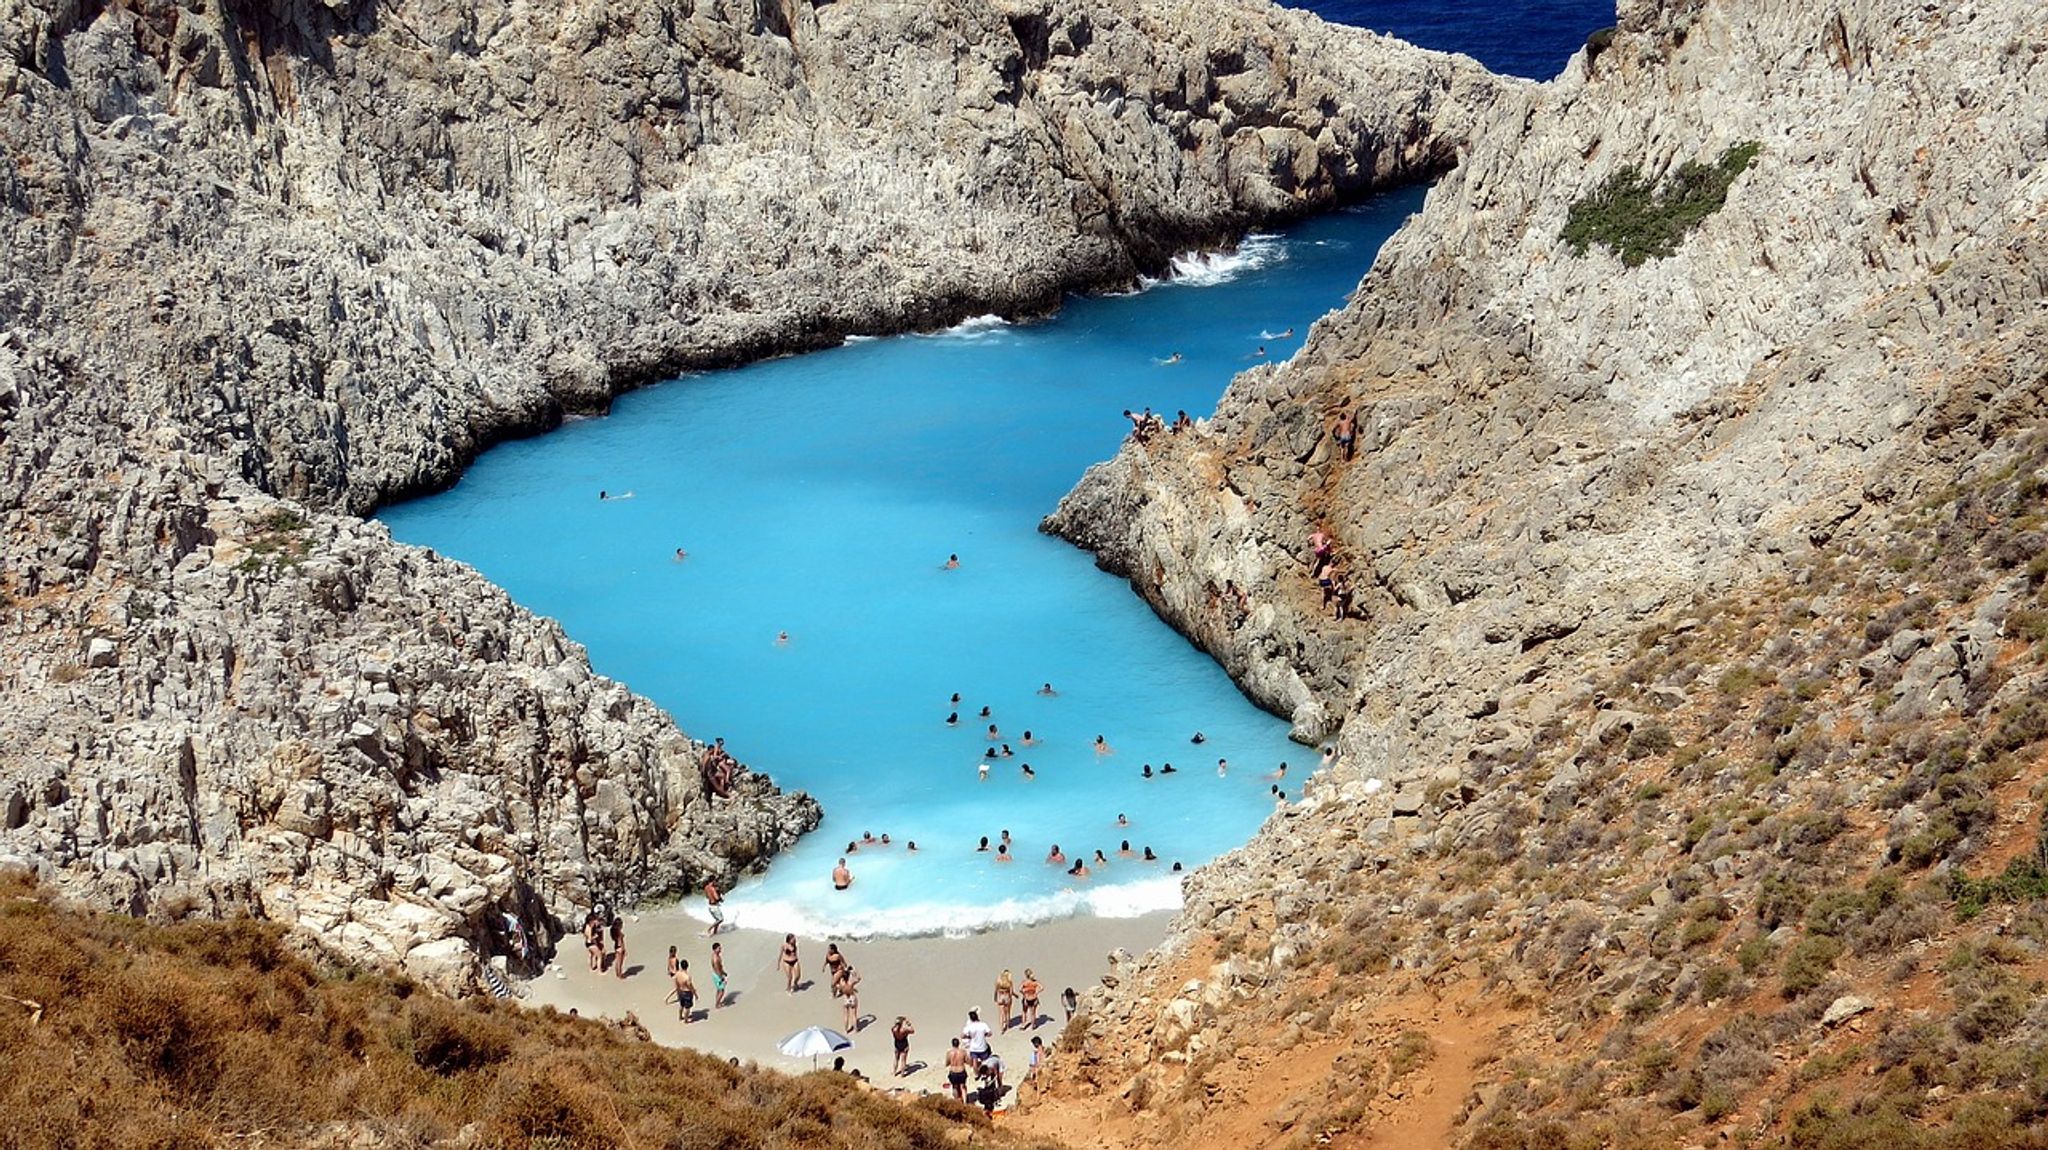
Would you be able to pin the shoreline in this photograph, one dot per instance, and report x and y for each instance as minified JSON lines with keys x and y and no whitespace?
{"x":933,"y":981}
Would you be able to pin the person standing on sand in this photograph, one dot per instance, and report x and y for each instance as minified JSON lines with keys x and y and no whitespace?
{"x":1027,"y":995}
{"x":715,"y":903}
{"x":593,"y":940}
{"x":848,"y":989}
{"x":1006,"y":997}
{"x":835,"y":964}
{"x":672,"y":963}
{"x":900,"y":1034}
{"x":619,"y":945}
{"x":686,"y":991}
{"x":956,"y":1072}
{"x":1071,"y":1001}
{"x":718,"y":973}
{"x":792,"y":969}
{"x":841,"y":877}
{"x":976,"y":1033}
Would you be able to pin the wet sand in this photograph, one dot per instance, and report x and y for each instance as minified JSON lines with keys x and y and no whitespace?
{"x":934,"y":981}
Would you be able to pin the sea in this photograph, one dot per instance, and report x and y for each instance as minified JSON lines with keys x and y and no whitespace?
{"x":832,"y":562}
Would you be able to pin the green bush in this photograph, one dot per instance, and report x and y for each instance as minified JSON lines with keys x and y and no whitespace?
{"x":1638,"y":219}
{"x":1808,"y":964}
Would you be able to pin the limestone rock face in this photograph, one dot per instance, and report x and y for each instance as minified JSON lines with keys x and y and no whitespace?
{"x":1554,"y":449}
{"x":264,"y":264}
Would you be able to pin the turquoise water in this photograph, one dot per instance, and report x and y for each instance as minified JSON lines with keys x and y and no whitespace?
{"x":821,"y":496}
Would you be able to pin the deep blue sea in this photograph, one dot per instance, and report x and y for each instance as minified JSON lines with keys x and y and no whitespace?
{"x":813,"y":623}
{"x":1533,"y":38}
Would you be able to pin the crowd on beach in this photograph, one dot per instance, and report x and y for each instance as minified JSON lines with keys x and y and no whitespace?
{"x":974,"y":1071}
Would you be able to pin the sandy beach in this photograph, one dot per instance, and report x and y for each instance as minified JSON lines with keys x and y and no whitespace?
{"x":934,"y":981}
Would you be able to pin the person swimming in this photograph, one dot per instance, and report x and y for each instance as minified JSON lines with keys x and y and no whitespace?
{"x":983,"y":846}
{"x":1007,"y":752}
{"x":1047,"y":690}
{"x":1029,"y":739}
{"x":782,"y":638}
{"x":1169,"y":769}
{"x":1149,"y":856}
{"x":1054,"y":856}
{"x":1147,"y":772}
{"x":953,"y":719}
{"x":1125,"y":848}
{"x":952,"y":563}
{"x":1121,"y":820}
{"x":681,"y":555}
{"x":984,"y":712}
{"x":1102,"y":746}
{"x":1170,"y":360}
{"x":993,"y":734}
{"x":1028,"y":772}
{"x":1199,"y":738}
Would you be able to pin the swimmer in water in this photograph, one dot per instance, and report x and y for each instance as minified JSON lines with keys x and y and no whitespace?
{"x":1028,"y":772}
{"x":1007,"y":752}
{"x":981,"y":772}
{"x":1099,"y":860}
{"x":1222,"y":767}
{"x":603,"y":495}
{"x":1047,"y":691}
{"x":983,"y":847}
{"x":1199,"y":738}
{"x":782,"y":638}
{"x":1102,"y":746}
{"x":1003,"y":853}
{"x":1124,"y":849}
{"x":1149,"y":856}
{"x":1029,"y":740}
{"x":681,"y":555}
{"x":993,"y":734}
{"x":1121,"y":820}
{"x":1279,"y":773}
{"x":1147,"y":772}
{"x":1079,"y":869}
{"x":956,"y":698}
{"x":953,"y":719}
{"x":1170,"y":360}
{"x":1169,"y":769}
{"x":984,"y":712}
{"x":1054,"y":856}
{"x":952,"y":563}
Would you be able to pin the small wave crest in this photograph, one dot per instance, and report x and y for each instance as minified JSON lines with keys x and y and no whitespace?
{"x":949,"y":920}
{"x":1207,"y":269}
{"x":974,"y":327}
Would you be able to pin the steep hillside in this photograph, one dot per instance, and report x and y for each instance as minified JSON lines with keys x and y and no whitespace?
{"x":271,"y":261}
{"x":1688,"y":714}
{"x":117,"y":1033}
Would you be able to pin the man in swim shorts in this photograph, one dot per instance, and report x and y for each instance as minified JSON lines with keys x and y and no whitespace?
{"x":956,"y":1072}
{"x":1027,"y":998}
{"x":714,"y":901}
{"x":841,"y":877}
{"x":718,"y":973}
{"x":685,"y":992}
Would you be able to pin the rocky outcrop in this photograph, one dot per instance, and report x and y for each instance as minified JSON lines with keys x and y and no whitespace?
{"x":1565,"y":466}
{"x":323,"y":251}
{"x":1551,"y":447}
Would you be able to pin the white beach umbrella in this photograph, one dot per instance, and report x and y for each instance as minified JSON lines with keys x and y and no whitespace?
{"x":814,"y":1041}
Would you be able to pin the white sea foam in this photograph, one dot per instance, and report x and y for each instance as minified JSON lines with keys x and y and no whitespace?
{"x":1207,"y":269}
{"x":850,"y":340}
{"x":975,"y":327}
{"x":950,"y":920}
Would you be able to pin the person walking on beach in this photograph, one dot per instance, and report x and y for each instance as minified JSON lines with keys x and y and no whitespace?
{"x":841,"y":877}
{"x":685,"y":992}
{"x":1027,"y":996}
{"x":1005,"y":996}
{"x":976,"y":1033}
{"x":900,"y":1034}
{"x":792,"y":969}
{"x":715,"y":903}
{"x":718,"y":974}
{"x":956,"y":1072}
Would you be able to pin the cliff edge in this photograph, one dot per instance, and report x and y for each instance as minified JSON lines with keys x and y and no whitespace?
{"x":271,"y":262}
{"x":1710,"y":373}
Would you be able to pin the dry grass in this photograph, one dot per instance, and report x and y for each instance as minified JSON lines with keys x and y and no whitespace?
{"x":215,"y":1034}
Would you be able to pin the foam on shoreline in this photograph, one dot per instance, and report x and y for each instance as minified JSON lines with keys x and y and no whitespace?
{"x":949,"y":920}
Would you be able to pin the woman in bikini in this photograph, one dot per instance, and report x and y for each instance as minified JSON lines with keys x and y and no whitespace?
{"x":835,"y":964}
{"x":1006,"y":997}
{"x":1027,"y":995}
{"x":792,"y":970}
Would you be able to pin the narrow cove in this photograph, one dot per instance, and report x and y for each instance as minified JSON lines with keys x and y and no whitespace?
{"x":820,"y":496}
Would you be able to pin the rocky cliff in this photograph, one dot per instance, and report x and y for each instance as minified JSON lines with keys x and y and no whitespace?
{"x":269,"y":262}
{"x":1713,"y":369}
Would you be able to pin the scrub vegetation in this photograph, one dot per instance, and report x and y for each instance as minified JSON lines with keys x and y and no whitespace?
{"x":115,"y":1032}
{"x":1638,"y":218}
